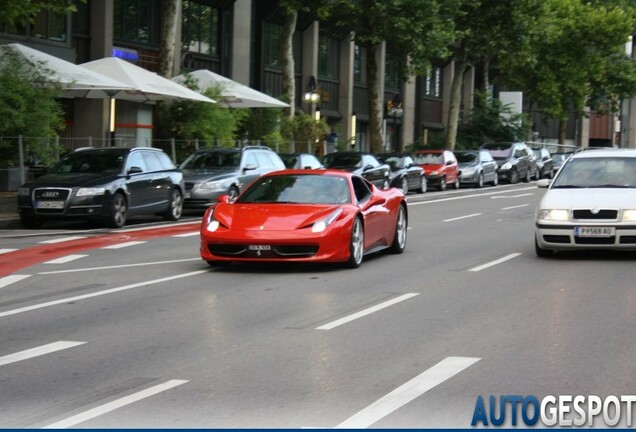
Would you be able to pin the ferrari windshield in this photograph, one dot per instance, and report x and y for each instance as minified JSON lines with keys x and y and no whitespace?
{"x":606,"y":172}
{"x":212,"y":160}
{"x":298,"y":189}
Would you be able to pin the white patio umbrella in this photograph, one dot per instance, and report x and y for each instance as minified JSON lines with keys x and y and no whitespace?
{"x":75,"y":81}
{"x":235,"y":95}
{"x":148,"y":86}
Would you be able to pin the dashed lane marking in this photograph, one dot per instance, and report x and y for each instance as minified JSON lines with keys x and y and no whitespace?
{"x":495,"y":262}
{"x":65,"y":259}
{"x":118,"y":266}
{"x":11,"y":279}
{"x":4,"y":251}
{"x":124,"y":245}
{"x":462,"y":217}
{"x":408,"y":391}
{"x":38,"y":351}
{"x":62,"y":239}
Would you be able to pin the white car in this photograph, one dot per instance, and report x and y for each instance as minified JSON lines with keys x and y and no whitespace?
{"x":590,"y":204}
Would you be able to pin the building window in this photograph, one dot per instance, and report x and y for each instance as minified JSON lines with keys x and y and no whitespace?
{"x":359,"y":65}
{"x":137,"y":21}
{"x":200,"y":32}
{"x":271,"y":48}
{"x":433,"y":83}
{"x":46,"y":25}
{"x":328,"y":56}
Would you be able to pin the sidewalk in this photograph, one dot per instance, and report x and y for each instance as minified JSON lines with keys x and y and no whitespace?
{"x":9,"y":218}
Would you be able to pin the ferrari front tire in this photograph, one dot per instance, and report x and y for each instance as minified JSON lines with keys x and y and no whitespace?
{"x":356,"y":244}
{"x":401,"y":226}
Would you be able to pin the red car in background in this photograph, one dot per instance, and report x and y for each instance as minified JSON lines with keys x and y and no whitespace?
{"x":305,"y":216}
{"x":440,"y":166}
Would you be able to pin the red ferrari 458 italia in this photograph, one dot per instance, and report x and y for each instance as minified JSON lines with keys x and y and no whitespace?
{"x":305,"y":216}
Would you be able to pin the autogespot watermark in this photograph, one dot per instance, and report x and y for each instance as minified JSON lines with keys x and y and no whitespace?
{"x":561,"y":410}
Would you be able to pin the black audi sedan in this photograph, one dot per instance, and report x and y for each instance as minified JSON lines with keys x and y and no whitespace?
{"x":405,"y":173}
{"x":105,"y":185}
{"x":361,"y":163}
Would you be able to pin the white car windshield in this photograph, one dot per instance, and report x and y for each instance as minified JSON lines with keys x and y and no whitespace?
{"x":606,"y":172}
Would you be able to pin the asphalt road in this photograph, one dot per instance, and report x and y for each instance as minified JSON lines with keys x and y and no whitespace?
{"x":129,"y":329}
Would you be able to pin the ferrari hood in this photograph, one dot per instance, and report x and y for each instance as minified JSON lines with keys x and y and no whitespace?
{"x":271,"y":217}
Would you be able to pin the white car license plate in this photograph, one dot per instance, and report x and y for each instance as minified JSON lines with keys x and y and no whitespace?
{"x":49,"y":204}
{"x":259,"y":247}
{"x":594,"y":231}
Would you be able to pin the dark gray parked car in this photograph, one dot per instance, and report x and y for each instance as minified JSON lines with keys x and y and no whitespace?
{"x":361,"y":163}
{"x":104,"y":184}
{"x":211,"y":172}
{"x":516,"y":161}
{"x":405,"y":173}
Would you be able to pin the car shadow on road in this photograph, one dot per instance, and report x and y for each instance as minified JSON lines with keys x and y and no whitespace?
{"x":594,"y":255}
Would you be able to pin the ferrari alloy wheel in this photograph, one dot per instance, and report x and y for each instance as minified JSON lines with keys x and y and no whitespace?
{"x":118,"y":211}
{"x":404,"y":185}
{"x":356,"y":247}
{"x":399,"y":241}
{"x":173,"y":213}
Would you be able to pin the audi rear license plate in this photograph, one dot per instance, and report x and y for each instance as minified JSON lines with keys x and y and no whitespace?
{"x":594,"y":231}
{"x":259,"y":247}
{"x":49,"y":204}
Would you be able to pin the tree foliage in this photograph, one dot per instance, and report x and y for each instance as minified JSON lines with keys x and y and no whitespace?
{"x":27,"y":109}
{"x":22,"y":12}
{"x":576,"y":58}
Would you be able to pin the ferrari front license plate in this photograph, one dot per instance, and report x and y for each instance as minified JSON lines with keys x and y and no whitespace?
{"x":259,"y":247}
{"x":594,"y":231}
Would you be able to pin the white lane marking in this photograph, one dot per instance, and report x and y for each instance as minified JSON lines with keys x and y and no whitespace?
{"x":65,"y":259}
{"x":408,"y":391}
{"x":4,"y":251}
{"x":367,"y":311}
{"x":515,"y":207}
{"x":8,"y":280}
{"x":124,"y":245}
{"x":119,"y":266}
{"x":495,"y":262}
{"x":462,"y":217}
{"x":435,"y":201}
{"x":63,"y":239}
{"x":99,"y":293}
{"x":511,"y":196}
{"x":38,"y":351}
{"x":111,"y":406}
{"x":190,"y":234}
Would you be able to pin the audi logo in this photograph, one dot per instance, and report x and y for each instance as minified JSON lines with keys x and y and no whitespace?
{"x":50,"y":194}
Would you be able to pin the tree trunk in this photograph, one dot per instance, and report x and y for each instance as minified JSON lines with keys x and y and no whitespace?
{"x":563,"y":124}
{"x":486,"y":75}
{"x":375,"y":113}
{"x":455,"y":103}
{"x":287,"y":57}
{"x":171,"y":11}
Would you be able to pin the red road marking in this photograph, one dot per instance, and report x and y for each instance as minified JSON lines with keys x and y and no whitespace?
{"x":14,"y":261}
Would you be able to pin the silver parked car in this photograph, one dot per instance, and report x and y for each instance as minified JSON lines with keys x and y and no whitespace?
{"x":477,"y":167}
{"x":590,"y":204}
{"x":211,"y":172}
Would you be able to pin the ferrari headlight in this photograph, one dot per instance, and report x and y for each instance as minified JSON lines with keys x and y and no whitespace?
{"x":629,"y":215}
{"x":212,"y":224}
{"x":92,"y":191}
{"x":323,"y":223}
{"x":506,"y":166}
{"x":213,"y":185}
{"x":554,"y":215}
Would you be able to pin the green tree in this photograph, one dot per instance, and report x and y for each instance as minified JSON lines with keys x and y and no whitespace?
{"x":486,"y":31}
{"x":22,"y":12}
{"x":419,"y":29}
{"x":576,"y":58}
{"x":27,"y":108}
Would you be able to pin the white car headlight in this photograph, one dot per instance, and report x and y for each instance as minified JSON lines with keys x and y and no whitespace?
{"x":213,"y":185}
{"x":434,"y":173}
{"x":629,"y":215}
{"x":24,"y":191}
{"x":468,"y":171}
{"x":323,"y":223}
{"x":506,"y":166}
{"x":93,"y":191}
{"x":554,"y":215}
